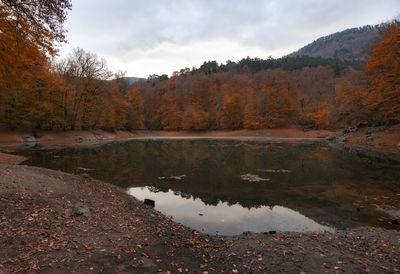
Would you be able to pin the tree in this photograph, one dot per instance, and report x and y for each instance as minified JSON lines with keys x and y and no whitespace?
{"x":252,"y":118}
{"x":28,"y":30}
{"x":351,"y":93}
{"x":383,"y":71}
{"x":40,"y":21}
{"x":320,"y":116}
{"x":85,"y":74}
{"x":233,"y":113}
{"x":135,"y":110}
{"x":194,"y":118}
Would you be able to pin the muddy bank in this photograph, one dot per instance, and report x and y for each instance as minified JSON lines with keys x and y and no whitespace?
{"x":381,"y":143}
{"x":57,"y":222}
{"x":6,"y":158}
{"x":11,"y":140}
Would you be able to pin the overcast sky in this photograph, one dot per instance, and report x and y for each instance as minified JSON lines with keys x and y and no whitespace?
{"x":146,"y":37}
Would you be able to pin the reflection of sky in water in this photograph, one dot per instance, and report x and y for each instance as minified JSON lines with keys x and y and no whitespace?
{"x":226,"y":219}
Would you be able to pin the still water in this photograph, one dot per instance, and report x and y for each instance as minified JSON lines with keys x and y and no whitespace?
{"x":229,"y":187}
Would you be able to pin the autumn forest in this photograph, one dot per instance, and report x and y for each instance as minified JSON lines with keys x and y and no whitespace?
{"x":39,"y":91}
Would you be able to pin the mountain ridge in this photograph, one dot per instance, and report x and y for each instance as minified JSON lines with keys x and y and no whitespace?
{"x":349,"y":44}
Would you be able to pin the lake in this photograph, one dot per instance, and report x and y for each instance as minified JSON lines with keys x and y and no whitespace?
{"x":230,"y":187}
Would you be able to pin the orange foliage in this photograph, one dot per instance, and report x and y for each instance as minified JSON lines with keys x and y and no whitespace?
{"x":383,"y":70}
{"x":76,"y":92}
{"x":351,"y":92}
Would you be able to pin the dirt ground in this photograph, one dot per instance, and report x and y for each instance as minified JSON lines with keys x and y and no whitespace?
{"x":62,"y":223}
{"x":385,"y":141}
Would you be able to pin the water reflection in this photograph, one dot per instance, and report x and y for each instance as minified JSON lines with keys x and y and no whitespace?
{"x":226,"y":219}
{"x":326,"y":185}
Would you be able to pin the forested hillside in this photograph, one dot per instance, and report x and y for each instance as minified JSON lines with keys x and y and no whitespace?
{"x":350,"y":44}
{"x":77,"y":93}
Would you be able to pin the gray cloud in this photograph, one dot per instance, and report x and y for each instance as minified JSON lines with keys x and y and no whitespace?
{"x":115,"y":29}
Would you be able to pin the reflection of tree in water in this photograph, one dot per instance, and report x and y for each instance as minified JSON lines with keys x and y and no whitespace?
{"x":320,"y":177}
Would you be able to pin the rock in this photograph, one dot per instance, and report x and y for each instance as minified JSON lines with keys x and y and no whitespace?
{"x":86,"y":176}
{"x":398,"y":146}
{"x":330,"y":137}
{"x":362,"y":124}
{"x":30,"y":138}
{"x":270,"y":232}
{"x":369,"y":138}
{"x":275,"y":170}
{"x":371,"y":130}
{"x":79,"y":139}
{"x":81,"y":169}
{"x":28,"y":145}
{"x":80,"y":210}
{"x":394,"y":222}
{"x":99,"y":136}
{"x":91,"y":138}
{"x":253,"y":178}
{"x":149,"y":202}
{"x":179,"y":177}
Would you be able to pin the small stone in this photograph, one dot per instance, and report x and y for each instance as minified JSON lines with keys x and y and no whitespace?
{"x":81,"y":169}
{"x":394,"y":222}
{"x":270,"y":232}
{"x":81,"y":210}
{"x":86,"y":176}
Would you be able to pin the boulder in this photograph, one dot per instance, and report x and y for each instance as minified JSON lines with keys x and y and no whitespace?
{"x":79,"y":139}
{"x":26,"y":137}
{"x":149,"y":202}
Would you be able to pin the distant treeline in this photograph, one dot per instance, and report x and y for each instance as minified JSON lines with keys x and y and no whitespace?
{"x":256,"y":64}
